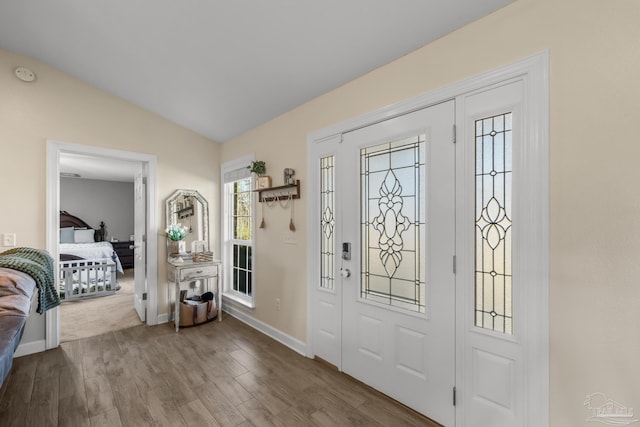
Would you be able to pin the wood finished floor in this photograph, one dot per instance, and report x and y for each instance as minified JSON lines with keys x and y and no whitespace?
{"x":217,"y":374}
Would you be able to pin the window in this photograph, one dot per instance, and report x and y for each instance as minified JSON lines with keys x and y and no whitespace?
{"x":238,"y":235}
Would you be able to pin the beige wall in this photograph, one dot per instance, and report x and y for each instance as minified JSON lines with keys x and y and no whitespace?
{"x":594,"y":50}
{"x":61,"y":108}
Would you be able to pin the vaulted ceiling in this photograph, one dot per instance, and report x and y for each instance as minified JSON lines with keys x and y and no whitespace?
{"x":218,"y":67}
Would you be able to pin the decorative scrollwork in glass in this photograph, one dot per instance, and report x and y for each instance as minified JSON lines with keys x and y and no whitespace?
{"x":493,"y":144}
{"x":327,"y":222}
{"x":393,"y":223}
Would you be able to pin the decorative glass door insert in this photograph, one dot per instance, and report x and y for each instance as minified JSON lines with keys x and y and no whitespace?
{"x":493,"y":144}
{"x":327,"y":220}
{"x":393,"y":223}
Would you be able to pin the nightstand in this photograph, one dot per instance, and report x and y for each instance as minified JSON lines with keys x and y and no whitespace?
{"x":125,"y":253}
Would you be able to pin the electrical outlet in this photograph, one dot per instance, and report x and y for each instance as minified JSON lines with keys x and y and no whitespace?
{"x":9,"y":239}
{"x":289,"y":238}
{"x":277,"y":304}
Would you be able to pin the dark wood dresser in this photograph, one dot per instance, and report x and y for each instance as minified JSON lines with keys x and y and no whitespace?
{"x":125,"y":253}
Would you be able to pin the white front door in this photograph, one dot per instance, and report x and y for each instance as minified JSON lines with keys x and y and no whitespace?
{"x":385,"y":297}
{"x":392,"y":323}
{"x":398,"y":312}
{"x":139,"y":250}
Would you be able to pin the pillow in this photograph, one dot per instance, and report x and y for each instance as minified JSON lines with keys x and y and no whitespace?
{"x":83,"y":236}
{"x":67,"y":235}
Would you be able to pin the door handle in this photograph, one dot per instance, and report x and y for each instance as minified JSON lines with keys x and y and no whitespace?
{"x":345,"y":272}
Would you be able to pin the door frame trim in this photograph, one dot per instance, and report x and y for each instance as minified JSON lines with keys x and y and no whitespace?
{"x":54,"y":149}
{"x":535,"y":69}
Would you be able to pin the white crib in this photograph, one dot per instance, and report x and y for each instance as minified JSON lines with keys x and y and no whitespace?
{"x":87,"y":278}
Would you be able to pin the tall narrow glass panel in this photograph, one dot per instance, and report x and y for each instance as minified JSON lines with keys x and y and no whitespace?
{"x":393,"y":223}
{"x":327,"y":222}
{"x":493,"y":144}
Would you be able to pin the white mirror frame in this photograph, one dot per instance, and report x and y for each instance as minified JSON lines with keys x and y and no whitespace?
{"x":170,"y":209}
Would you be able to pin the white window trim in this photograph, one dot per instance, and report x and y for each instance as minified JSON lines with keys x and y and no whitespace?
{"x":231,"y":296}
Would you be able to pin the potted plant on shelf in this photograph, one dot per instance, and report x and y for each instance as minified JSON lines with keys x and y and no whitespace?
{"x":259,"y":167}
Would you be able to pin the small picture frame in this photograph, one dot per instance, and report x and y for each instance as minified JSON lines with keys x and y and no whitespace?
{"x":263,"y":182}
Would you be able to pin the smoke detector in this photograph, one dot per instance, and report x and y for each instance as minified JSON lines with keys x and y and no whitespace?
{"x":25,"y":74}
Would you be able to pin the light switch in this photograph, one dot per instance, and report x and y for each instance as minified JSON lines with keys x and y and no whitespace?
{"x":9,"y":239}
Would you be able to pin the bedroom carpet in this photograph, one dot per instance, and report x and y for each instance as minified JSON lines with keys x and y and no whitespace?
{"x":96,"y":316}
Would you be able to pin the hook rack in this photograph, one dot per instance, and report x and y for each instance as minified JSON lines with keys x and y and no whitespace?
{"x":279,"y":193}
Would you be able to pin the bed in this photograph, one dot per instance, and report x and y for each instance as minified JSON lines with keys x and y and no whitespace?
{"x":88,"y":265}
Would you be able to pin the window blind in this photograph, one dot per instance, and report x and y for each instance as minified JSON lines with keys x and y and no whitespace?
{"x":236,"y":174}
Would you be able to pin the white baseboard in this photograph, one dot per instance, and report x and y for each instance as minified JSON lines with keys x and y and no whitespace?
{"x":32,"y":347}
{"x":163,"y":318}
{"x":291,"y":342}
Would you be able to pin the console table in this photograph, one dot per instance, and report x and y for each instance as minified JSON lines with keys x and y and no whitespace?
{"x":189,"y":271}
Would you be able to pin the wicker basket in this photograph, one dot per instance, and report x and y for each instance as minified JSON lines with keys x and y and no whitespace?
{"x":203,"y":257}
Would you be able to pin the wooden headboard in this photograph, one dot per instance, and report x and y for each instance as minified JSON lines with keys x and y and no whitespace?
{"x":68,"y":220}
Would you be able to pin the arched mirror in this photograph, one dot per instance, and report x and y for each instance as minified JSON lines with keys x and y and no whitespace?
{"x":189,"y":209}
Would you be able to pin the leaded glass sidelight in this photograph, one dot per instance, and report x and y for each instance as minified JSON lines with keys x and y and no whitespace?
{"x":393,"y":223}
{"x":327,"y":222}
{"x":493,"y":146}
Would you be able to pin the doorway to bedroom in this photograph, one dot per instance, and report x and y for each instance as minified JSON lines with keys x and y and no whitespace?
{"x":97,"y":227}
{"x":96,"y":251}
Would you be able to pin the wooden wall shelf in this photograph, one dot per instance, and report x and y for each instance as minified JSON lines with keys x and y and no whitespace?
{"x":282,"y":192}
{"x":185,"y":212}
